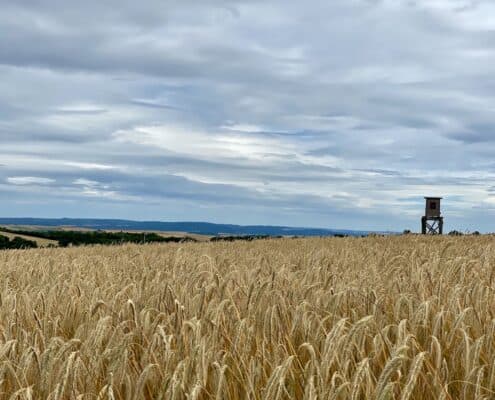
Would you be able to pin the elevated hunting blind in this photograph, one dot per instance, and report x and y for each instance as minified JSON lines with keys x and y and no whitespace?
{"x":432,"y":221}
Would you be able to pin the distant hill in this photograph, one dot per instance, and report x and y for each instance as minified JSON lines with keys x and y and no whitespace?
{"x":203,"y":228}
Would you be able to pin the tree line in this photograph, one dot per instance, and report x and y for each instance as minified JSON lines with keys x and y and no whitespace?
{"x":16,"y":243}
{"x":81,"y":238}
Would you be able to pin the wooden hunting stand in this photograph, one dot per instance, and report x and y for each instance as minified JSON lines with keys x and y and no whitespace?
{"x":432,"y":221}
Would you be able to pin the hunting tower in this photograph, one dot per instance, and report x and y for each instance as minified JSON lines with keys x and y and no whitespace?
{"x":432,"y":221}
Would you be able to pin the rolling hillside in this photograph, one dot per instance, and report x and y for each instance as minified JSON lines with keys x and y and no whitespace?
{"x":201,"y":228}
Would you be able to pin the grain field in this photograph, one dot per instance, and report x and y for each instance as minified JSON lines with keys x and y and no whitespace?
{"x":375,"y":318}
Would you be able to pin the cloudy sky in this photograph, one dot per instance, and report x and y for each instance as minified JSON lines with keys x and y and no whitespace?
{"x":340,"y":113}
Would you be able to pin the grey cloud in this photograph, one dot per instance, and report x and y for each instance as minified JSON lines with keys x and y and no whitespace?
{"x":81,"y":112}
{"x":297,"y":113}
{"x":381,"y":172}
{"x":152,"y":104}
{"x":476,"y":133}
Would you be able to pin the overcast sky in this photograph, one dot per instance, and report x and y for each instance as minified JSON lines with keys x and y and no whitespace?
{"x":339,"y":114}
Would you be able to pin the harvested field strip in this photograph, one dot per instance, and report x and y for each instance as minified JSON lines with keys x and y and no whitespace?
{"x":40,"y":241}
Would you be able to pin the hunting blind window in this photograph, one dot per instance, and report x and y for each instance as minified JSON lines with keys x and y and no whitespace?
{"x":433,"y":206}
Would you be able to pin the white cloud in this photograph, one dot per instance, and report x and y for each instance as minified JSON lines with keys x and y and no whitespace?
{"x":85,"y":182}
{"x":92,"y":188}
{"x":244,"y":128}
{"x":239,"y":147}
{"x":29,"y":180}
{"x":88,"y":166}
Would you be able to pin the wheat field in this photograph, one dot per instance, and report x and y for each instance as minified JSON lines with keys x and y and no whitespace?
{"x":374,"y":318}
